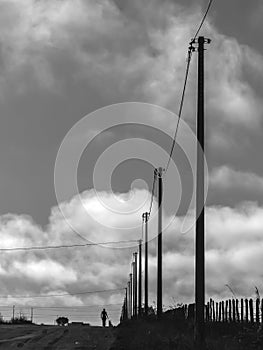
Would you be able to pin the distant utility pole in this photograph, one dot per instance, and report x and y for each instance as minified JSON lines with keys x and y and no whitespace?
{"x":13,"y":312}
{"x":126,"y":305}
{"x":140,"y":279}
{"x":32,"y":313}
{"x":135,"y":283}
{"x":133,"y":289}
{"x":130,"y":297}
{"x":128,"y":300}
{"x":145,"y":217}
{"x":200,"y":210}
{"x":159,"y":173}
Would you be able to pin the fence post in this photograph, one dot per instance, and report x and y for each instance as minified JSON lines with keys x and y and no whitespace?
{"x":242,"y":310}
{"x":251,"y":310}
{"x":237,"y":311}
{"x":230,"y":310}
{"x":223,"y":310}
{"x":207,"y":312}
{"x":234,"y":309}
{"x":216,"y":311}
{"x":213,"y":305}
{"x":262,"y":310}
{"x":246,"y":305}
{"x":257,"y":310}
{"x":226,"y":311}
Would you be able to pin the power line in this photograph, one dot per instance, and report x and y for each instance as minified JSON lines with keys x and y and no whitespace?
{"x":70,"y":307}
{"x":152,"y":194}
{"x":190,"y":50}
{"x":63,"y":246}
{"x":58,"y":307}
{"x":203,"y":19}
{"x":59,"y":295}
{"x":181,"y":105}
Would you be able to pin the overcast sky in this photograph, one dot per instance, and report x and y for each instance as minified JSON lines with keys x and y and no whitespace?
{"x":61,"y":60}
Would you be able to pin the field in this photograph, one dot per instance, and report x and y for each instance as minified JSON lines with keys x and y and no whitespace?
{"x":54,"y":337}
{"x":141,"y":334}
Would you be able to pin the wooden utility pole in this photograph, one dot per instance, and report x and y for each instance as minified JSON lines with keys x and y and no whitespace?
{"x":159,"y":174}
{"x":128,"y":300}
{"x":145,"y":217}
{"x":126,"y":304}
{"x":133,"y":289}
{"x":135,"y":283}
{"x":32,"y":314}
{"x":130,"y":297}
{"x":200,"y":210}
{"x":140,"y":279}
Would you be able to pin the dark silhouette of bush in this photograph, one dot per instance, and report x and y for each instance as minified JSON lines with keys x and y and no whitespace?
{"x":62,"y":321}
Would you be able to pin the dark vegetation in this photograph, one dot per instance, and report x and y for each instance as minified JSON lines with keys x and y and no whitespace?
{"x":22,"y":319}
{"x":62,"y":321}
{"x":177,"y":333}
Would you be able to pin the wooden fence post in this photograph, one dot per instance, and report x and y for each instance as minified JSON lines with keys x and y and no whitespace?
{"x":214,"y":316}
{"x":230,"y":310}
{"x":237,"y":311}
{"x":207,"y":312}
{"x":262,"y":310}
{"x":234,"y":310}
{"x":223,"y":310}
{"x":242,"y":311}
{"x":257,"y":310}
{"x":251,"y":310}
{"x":226,"y":311}
{"x":246,"y":306}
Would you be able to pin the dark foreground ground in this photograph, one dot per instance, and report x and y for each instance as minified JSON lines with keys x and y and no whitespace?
{"x":130,"y":335}
{"x":55,"y":337}
{"x":178,"y":335}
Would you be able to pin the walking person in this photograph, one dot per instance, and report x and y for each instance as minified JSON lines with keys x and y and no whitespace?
{"x":104,"y":317}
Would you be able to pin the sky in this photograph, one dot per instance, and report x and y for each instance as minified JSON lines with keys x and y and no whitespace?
{"x":65,"y":60}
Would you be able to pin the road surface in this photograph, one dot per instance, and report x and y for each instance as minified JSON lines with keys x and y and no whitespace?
{"x":55,"y":337}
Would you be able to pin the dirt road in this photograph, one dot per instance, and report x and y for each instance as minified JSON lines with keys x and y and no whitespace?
{"x":55,"y":337}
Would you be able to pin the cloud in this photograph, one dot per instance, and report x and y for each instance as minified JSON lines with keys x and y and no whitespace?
{"x":226,"y":178}
{"x":123,"y":52}
{"x":233,"y":254}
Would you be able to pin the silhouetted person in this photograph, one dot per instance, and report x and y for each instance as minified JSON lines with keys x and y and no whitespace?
{"x":104,"y":317}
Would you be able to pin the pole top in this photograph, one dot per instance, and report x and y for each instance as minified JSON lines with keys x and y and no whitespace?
{"x":199,"y":40}
{"x":145,"y":216}
{"x":159,"y":171}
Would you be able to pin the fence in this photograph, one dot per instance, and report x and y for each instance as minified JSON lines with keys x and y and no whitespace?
{"x":231,"y":310}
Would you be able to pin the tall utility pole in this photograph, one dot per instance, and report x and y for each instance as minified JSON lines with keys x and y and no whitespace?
{"x":128,"y":301}
{"x":145,"y":217}
{"x":126,"y":305}
{"x":135,"y":283}
{"x":200,"y":210}
{"x":159,"y":173}
{"x":133,"y":288}
{"x":130,"y":297}
{"x":140,"y":279}
{"x":32,"y":314}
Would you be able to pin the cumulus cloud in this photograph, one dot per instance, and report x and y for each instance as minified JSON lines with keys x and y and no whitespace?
{"x":121,"y":52}
{"x":134,"y":47}
{"x":227,"y":178}
{"x":233,"y":254}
